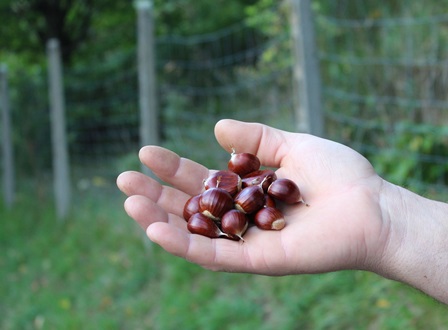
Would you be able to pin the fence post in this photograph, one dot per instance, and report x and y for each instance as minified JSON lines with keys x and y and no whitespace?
{"x":7,"y":150}
{"x":149,"y":125}
{"x":306,"y":69}
{"x":61,"y":180}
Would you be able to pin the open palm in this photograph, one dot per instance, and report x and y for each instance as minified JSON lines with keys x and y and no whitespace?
{"x":343,"y":228}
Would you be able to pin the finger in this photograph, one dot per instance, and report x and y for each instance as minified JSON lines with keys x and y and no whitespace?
{"x":214,"y":254}
{"x":269,"y":144}
{"x":135,"y":183}
{"x":180,"y":172}
{"x":170,"y":199}
{"x":145,"y":212}
{"x":222,"y":254}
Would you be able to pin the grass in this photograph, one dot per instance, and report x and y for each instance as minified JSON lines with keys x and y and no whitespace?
{"x":96,"y":270}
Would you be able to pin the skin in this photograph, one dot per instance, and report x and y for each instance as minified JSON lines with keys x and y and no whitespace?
{"x":356,"y":219}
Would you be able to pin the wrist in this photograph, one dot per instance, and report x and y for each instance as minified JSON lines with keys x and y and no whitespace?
{"x":416,"y":251}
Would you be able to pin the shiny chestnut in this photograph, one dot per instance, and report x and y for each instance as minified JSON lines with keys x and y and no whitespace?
{"x":243,"y":163}
{"x":234,"y":223}
{"x":227,"y":180}
{"x":269,"y":218}
{"x":269,"y":201}
{"x":214,"y":202}
{"x":250,"y":199}
{"x":191,"y":207}
{"x":285,"y":190}
{"x":266,"y":177}
{"x":202,"y":225}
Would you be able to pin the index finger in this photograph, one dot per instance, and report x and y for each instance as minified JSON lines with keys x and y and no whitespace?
{"x":183,"y":173}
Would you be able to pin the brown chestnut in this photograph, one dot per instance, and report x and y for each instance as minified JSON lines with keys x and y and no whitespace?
{"x":227,"y":180}
{"x":285,"y":190}
{"x":269,"y":201}
{"x":215,"y":202}
{"x":191,"y":206}
{"x":234,"y":223}
{"x":266,"y":177}
{"x":203,"y":225}
{"x":243,"y":163}
{"x":269,"y":218}
{"x":250,"y":199}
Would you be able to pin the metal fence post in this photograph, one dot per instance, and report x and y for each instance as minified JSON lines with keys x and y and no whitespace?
{"x":7,"y":150}
{"x":61,"y":180}
{"x":306,"y":69}
{"x":149,"y":123}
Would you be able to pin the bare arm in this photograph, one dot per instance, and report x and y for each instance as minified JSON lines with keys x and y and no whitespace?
{"x":356,"y":219}
{"x":417,"y":250}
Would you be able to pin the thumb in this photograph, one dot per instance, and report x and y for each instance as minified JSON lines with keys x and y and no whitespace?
{"x":270,"y":145}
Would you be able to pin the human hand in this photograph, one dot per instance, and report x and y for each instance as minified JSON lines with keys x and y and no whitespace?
{"x":343,"y":228}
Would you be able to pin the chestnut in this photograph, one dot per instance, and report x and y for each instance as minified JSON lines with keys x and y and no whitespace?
{"x":234,"y":223}
{"x":214,"y":202}
{"x":269,"y":201}
{"x":250,"y":199}
{"x":227,"y":180}
{"x":203,"y":225}
{"x":285,"y":190}
{"x":265,"y":176}
{"x":243,"y":163}
{"x":269,"y":218}
{"x":191,"y":206}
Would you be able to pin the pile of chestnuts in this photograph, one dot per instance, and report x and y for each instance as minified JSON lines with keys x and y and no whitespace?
{"x":241,"y":196}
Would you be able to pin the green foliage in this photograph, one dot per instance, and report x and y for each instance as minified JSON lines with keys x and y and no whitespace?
{"x":272,"y":19}
{"x":30,"y":118}
{"x":128,"y":162}
{"x":102,"y":105}
{"x":31,"y":23}
{"x":381,"y":75}
{"x":186,"y":18}
{"x":415,"y":152}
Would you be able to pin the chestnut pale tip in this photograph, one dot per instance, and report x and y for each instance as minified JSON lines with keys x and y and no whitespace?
{"x":269,"y":218}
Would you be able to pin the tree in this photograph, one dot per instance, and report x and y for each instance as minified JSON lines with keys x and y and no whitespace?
{"x":32,"y":22}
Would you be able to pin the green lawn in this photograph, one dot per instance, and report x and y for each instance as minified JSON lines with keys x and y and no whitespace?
{"x":97,"y":271}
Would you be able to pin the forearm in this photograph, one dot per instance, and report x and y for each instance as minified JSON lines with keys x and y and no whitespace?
{"x":417,"y":249}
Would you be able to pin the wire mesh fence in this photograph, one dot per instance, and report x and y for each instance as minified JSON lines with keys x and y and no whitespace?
{"x":384,"y":77}
{"x":207,"y":77}
{"x":102,"y":111}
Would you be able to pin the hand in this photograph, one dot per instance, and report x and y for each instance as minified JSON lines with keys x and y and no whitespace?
{"x":343,"y":228}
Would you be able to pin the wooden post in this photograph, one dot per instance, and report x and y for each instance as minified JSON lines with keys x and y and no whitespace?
{"x":306,"y":69}
{"x":7,"y":150}
{"x":149,"y":124}
{"x":61,"y":180}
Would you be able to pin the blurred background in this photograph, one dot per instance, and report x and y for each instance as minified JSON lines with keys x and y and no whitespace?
{"x":84,"y":84}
